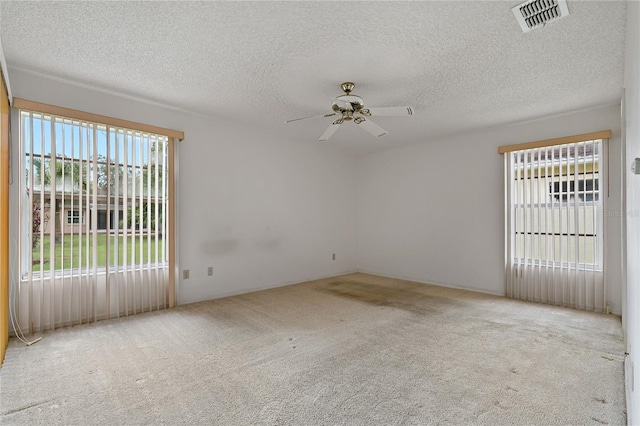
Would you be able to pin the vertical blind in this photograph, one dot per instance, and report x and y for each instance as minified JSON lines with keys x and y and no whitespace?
{"x":554,"y":225}
{"x":95,"y":214}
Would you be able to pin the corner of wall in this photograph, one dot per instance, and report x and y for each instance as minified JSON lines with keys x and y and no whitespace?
{"x":632,"y":214}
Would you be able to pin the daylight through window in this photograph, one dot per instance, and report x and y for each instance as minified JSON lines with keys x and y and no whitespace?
{"x":556,"y":206}
{"x":95,"y":217}
{"x":554,"y":224}
{"x":95,"y":196}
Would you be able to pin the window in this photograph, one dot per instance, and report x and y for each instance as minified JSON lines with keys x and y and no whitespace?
{"x":587,"y":190}
{"x":96,"y":235}
{"x":73,"y":217}
{"x":105,"y":177}
{"x":556,"y":205}
{"x":554,"y":220}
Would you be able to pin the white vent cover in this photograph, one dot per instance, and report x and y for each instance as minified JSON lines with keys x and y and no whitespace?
{"x":536,"y":13}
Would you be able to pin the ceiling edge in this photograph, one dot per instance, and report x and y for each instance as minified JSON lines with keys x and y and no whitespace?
{"x":105,"y":90}
{"x":450,"y":135}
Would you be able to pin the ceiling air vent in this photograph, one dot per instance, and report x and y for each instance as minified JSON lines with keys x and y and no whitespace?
{"x":536,"y":13}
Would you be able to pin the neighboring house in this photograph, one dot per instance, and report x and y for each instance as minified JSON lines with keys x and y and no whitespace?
{"x":72,"y":215}
{"x":74,"y":207}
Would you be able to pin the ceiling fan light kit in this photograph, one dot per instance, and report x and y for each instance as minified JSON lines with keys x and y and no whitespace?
{"x":350,"y":107}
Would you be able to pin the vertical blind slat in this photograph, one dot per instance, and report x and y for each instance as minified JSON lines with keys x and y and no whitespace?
{"x":53,"y":208}
{"x":89,"y":214}
{"x":156,"y":222}
{"x":165,"y":223}
{"x":148,"y":223}
{"x":506,"y":159}
{"x":141,"y":223}
{"x":94,"y":225}
{"x":605,"y":194}
{"x":42,"y":219}
{"x":582,"y":229}
{"x":579,"y":224}
{"x":149,"y":227}
{"x":107,"y":262}
{"x":594,"y":147}
{"x":83,"y":220}
{"x":561,"y":215}
{"x":72,"y":227}
{"x":116,"y":238}
{"x":133,"y":220}
{"x":30,"y":222}
{"x":547,"y":234}
{"x":539,"y":230}
{"x":527,"y":224}
{"x":62,"y":218}
{"x":518,"y":224}
{"x":125,"y":226}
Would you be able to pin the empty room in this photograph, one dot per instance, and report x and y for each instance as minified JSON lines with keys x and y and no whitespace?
{"x":320,"y":213}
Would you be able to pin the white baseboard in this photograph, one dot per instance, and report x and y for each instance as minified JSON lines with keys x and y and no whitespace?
{"x":434,"y":282}
{"x":224,"y":294}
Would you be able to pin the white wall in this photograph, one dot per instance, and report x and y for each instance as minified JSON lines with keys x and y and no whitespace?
{"x":632,"y":119}
{"x":433,"y":212}
{"x":265,"y":212}
{"x":262,"y":211}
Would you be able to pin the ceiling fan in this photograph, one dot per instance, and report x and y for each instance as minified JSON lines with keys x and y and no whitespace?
{"x":350,"y":107}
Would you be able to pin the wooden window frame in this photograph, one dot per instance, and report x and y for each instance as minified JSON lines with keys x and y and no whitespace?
{"x":602,"y":134}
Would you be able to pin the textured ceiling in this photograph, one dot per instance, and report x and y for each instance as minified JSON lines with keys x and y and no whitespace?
{"x":461,"y":65}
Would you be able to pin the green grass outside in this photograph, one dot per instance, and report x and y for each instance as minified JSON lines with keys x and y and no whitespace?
{"x":66,"y":251}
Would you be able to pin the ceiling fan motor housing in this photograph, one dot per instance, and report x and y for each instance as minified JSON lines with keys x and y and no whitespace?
{"x":348,"y":102}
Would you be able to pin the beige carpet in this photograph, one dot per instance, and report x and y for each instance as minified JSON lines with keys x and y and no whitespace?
{"x":356,"y":349}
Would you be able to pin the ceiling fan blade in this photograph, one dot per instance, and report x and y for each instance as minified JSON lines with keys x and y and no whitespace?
{"x":315,"y":116}
{"x":387,"y":111}
{"x":370,"y":127}
{"x":330,"y":130}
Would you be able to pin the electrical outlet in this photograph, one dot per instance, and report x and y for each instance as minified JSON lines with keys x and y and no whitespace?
{"x":185,"y":274}
{"x":333,"y":256}
{"x":210,"y":270}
